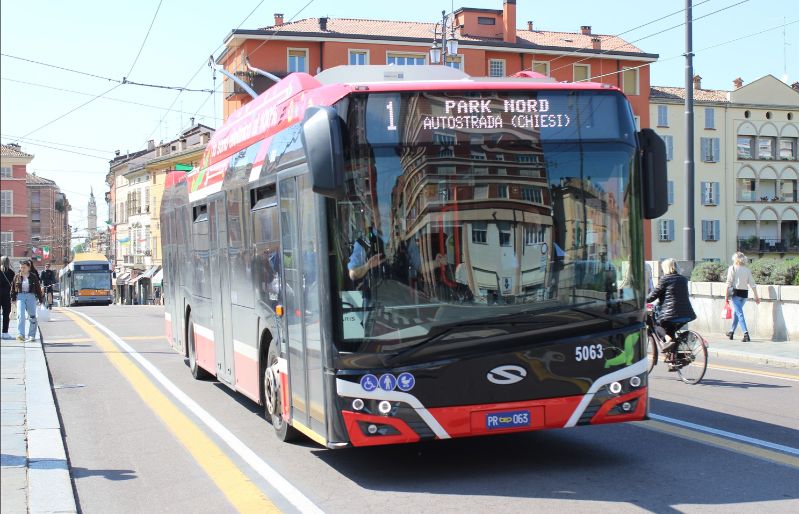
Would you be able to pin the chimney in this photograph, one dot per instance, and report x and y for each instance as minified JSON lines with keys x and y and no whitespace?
{"x":323,"y":24}
{"x":509,"y":21}
{"x":191,"y":120}
{"x":596,"y":43}
{"x":530,"y":25}
{"x":697,"y":82}
{"x":278,"y":19}
{"x":116,"y":153}
{"x":738,"y":83}
{"x":795,"y":86}
{"x":585,"y":30}
{"x":150,"y":145}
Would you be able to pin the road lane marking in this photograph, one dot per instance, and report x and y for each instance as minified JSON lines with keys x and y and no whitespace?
{"x":239,"y":490}
{"x":772,"y":374}
{"x":142,"y":338}
{"x":275,"y":479}
{"x":731,"y":441}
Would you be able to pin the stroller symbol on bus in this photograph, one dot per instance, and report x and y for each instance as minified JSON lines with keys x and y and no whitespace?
{"x":405,"y":382}
{"x":369,"y":382}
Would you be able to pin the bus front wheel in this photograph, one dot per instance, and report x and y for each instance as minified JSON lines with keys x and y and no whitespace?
{"x":273,"y":403}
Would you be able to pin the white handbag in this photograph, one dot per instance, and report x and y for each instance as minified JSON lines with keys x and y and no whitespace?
{"x":42,"y":313}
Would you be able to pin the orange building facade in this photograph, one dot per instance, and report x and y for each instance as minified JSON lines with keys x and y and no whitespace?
{"x":489,"y":45}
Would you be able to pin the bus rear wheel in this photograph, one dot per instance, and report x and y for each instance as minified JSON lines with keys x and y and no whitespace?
{"x":273,"y":404}
{"x":196,"y":371}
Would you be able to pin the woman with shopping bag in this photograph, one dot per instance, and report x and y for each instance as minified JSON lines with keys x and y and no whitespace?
{"x":739,"y":280}
{"x":26,"y":291}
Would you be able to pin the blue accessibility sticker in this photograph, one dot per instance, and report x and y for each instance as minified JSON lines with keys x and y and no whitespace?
{"x":405,"y":381}
{"x":369,"y":382}
{"x":388,"y":382}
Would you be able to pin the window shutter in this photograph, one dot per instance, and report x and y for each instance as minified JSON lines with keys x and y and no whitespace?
{"x":669,"y":140}
{"x":671,"y":230}
{"x":717,"y":229}
{"x":703,"y":143}
{"x":663,"y":119}
{"x":716,"y":193}
{"x":671,"y":192}
{"x":716,"y":146}
{"x":704,"y":230}
{"x":703,"y":192}
{"x":709,"y":121}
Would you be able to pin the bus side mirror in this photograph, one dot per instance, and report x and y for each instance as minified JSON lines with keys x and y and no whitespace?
{"x":323,"y":143}
{"x":653,"y":174}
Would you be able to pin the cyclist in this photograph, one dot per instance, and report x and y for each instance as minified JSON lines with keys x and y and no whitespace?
{"x":675,"y":304}
{"x":48,"y":280}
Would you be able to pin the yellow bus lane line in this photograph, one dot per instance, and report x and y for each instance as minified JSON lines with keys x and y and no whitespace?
{"x":747,"y":371}
{"x":277,"y":481}
{"x":239,"y":490}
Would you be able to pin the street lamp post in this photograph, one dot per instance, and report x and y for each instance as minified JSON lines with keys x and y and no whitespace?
{"x":444,"y":47}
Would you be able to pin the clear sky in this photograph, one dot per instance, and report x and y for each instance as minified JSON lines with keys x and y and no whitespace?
{"x":104,"y":38}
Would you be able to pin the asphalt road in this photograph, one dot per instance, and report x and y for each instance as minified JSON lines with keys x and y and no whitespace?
{"x":725,"y":445}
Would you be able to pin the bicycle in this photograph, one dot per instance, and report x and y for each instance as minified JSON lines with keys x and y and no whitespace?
{"x":690,"y":357}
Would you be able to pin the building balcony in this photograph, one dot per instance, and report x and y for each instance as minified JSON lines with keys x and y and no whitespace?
{"x":756,"y":245}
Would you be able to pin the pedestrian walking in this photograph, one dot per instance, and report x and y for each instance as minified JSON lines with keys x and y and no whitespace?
{"x":26,"y":290}
{"x":739,"y":280}
{"x":6,"y":282}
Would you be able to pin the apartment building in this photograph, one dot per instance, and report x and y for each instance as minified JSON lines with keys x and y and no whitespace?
{"x":15,"y":230}
{"x":746,"y":169}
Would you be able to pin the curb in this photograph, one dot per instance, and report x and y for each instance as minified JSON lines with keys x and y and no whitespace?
{"x":49,"y":483}
{"x":760,"y":358}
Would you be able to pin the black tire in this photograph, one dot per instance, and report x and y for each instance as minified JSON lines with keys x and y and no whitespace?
{"x":691,"y":357}
{"x":196,"y":371}
{"x":273,"y":407}
{"x":651,"y":352}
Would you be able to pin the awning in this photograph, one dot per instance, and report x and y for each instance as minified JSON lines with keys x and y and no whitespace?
{"x":158,"y":278}
{"x":151,"y":271}
{"x":122,"y":279}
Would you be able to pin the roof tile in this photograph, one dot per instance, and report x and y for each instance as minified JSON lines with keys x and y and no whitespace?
{"x":421,"y":30}
{"x":678,"y":93}
{"x":12,"y":151}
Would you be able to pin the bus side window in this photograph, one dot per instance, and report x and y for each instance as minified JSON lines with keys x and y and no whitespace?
{"x":266,"y":239}
{"x":200,"y":213}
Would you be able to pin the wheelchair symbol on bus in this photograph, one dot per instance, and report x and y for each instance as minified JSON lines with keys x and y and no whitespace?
{"x":369,"y":382}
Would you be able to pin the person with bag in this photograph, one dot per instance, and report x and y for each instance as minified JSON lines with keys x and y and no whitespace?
{"x":26,"y":290}
{"x":6,"y":280}
{"x":739,"y":280}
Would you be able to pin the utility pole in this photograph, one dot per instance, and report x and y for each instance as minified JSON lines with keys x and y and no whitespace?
{"x":689,"y":253}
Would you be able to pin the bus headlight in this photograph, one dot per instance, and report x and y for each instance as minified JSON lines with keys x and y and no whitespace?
{"x":357,"y":404}
{"x":384,"y":407}
{"x":615,"y":387}
{"x":635,"y":381}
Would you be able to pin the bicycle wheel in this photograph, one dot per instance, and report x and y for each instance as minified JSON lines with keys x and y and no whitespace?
{"x":651,"y":352}
{"x":691,"y":357}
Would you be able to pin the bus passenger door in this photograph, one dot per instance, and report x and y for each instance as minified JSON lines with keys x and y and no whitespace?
{"x":298,"y":220}
{"x":220,"y":288}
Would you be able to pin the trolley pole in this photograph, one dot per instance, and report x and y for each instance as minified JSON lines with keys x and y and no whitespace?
{"x":688,"y":234}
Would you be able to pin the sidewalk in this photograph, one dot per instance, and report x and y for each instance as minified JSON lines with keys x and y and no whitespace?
{"x":784,"y":354}
{"x":35,"y":474}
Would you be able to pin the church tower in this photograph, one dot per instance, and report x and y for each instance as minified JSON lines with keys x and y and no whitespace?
{"x":92,"y":215}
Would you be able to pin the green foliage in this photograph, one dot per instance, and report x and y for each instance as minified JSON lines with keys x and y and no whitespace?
{"x":763,"y":269}
{"x":786,"y":272}
{"x":709,"y":272}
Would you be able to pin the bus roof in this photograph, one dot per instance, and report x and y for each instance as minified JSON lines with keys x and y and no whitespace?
{"x":89,"y":257}
{"x":285,"y":103}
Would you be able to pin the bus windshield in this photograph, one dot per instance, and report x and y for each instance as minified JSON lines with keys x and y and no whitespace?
{"x":465,"y":208}
{"x":91,"y":280}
